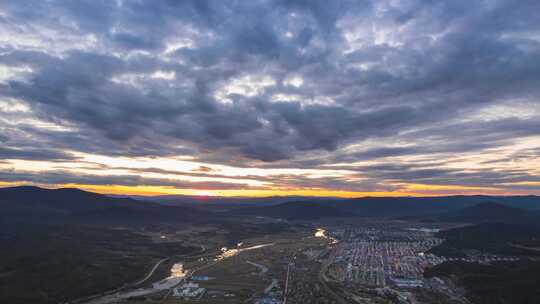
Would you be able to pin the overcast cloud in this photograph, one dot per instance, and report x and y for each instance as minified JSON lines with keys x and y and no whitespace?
{"x":388,"y":93}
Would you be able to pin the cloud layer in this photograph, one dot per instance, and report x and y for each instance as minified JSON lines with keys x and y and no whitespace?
{"x":389,"y":93}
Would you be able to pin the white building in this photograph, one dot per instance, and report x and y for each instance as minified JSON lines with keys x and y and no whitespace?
{"x":177,"y":271}
{"x":188,"y":290}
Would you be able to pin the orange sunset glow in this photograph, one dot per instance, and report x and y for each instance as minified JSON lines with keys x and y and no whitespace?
{"x":344,"y":105}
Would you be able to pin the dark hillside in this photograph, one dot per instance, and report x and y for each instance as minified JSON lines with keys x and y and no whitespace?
{"x":37,"y":205}
{"x":490,"y":212}
{"x":496,"y":238}
{"x":295,"y":211}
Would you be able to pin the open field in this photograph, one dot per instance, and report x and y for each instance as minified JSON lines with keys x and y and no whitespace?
{"x":250,"y":274}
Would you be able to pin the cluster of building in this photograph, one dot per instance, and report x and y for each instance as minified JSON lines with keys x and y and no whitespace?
{"x":179,"y":275}
{"x":189,"y":290}
{"x":379,"y":257}
{"x":480,"y":258}
{"x":177,"y":270}
{"x":386,"y":234}
{"x":268,"y":300}
{"x":176,"y":277}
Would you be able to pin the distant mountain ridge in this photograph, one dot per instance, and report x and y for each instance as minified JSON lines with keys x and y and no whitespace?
{"x":491,"y":212}
{"x":28,"y":203}
{"x":34,"y":204}
{"x":181,"y":200}
{"x":446,"y":209}
{"x":524,"y":201}
{"x":301,"y":210}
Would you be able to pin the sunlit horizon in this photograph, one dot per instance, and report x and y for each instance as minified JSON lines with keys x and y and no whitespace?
{"x":388,"y":98}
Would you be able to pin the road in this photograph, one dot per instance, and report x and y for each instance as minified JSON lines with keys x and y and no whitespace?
{"x":262,"y":269}
{"x":286,"y":291}
{"x":90,"y":299}
{"x":151,"y":272}
{"x":114,"y":295}
{"x":220,"y":258}
{"x":323,"y":279}
{"x":165,"y":284}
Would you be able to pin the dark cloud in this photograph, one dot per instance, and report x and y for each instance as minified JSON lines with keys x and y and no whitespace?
{"x":34,"y":154}
{"x":60,"y":177}
{"x":212,"y":80}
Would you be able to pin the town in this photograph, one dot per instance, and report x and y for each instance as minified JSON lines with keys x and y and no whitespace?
{"x":391,"y":261}
{"x":368,"y":263}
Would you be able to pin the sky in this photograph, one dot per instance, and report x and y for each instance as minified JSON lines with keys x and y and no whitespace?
{"x":263,"y":98}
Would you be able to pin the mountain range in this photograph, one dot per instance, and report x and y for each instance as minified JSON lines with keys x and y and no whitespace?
{"x":34,"y":204}
{"x":67,"y":205}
